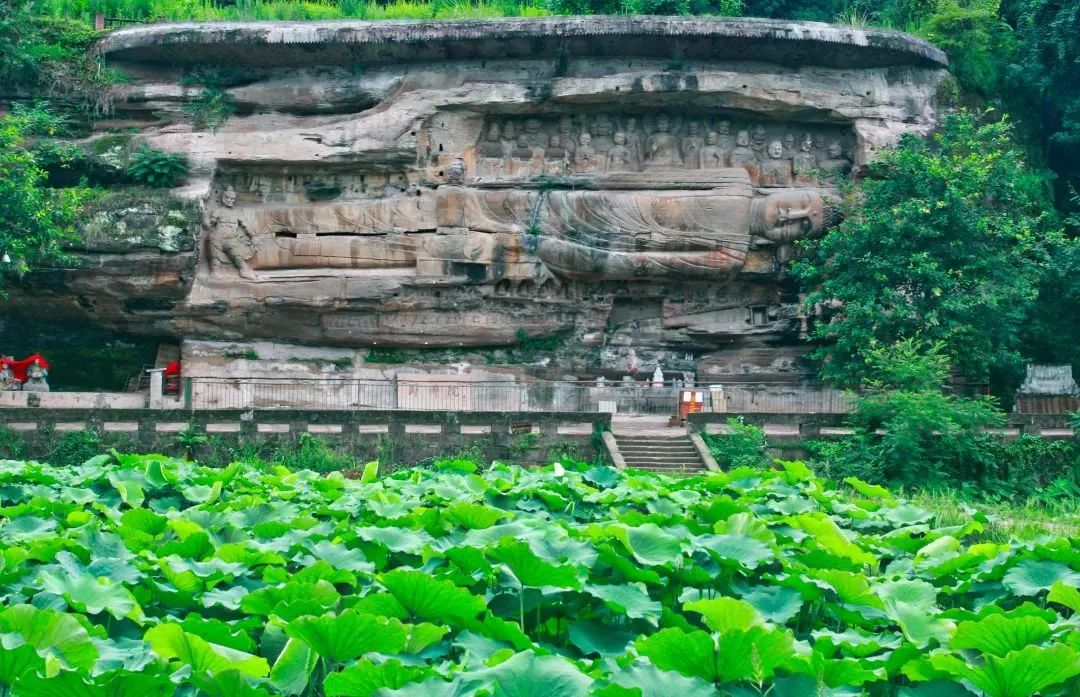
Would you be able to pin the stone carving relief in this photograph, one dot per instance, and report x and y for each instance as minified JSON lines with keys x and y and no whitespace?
{"x":773,"y":155}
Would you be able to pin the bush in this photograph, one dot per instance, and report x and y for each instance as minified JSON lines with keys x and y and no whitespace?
{"x":313,"y":453}
{"x":744,"y":446}
{"x":76,"y":447}
{"x":157,"y":169}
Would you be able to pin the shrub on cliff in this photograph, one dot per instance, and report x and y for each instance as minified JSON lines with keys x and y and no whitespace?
{"x":161,"y":170}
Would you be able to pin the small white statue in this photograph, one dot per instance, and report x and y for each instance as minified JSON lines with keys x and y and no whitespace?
{"x":658,"y":377}
{"x":7,"y":379}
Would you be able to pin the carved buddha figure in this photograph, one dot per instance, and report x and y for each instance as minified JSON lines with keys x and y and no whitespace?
{"x":758,"y":141}
{"x":509,"y":138}
{"x":744,"y":156}
{"x":621,"y":158}
{"x":523,"y":149}
{"x":566,"y":134}
{"x":775,"y":171}
{"x":712,"y":156}
{"x":836,"y":166}
{"x":603,"y":131}
{"x":723,"y":136}
{"x":691,"y":145}
{"x":661,"y":151}
{"x":533,"y":134}
{"x":805,"y":164}
{"x":789,"y":146}
{"x":585,"y":159}
{"x":633,"y":138}
{"x":819,"y":146}
{"x":231,"y":243}
{"x":555,"y":149}
{"x":490,"y":151}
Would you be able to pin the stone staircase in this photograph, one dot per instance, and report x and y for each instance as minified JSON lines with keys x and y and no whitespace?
{"x":666,"y":454}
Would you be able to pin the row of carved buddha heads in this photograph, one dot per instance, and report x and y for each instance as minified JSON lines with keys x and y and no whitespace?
{"x":579,"y":144}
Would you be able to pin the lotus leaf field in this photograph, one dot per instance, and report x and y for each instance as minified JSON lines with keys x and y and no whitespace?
{"x":134,"y":576}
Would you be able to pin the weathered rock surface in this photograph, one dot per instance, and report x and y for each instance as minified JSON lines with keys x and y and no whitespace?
{"x":634,"y":184}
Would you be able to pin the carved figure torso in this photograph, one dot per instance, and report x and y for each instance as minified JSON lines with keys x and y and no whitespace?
{"x":661,"y":150}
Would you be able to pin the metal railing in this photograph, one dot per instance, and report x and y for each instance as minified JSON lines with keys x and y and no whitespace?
{"x":438,"y":393}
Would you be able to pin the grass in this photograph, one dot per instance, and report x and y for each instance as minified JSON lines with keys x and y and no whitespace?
{"x":287,"y":10}
{"x":1024,"y":521}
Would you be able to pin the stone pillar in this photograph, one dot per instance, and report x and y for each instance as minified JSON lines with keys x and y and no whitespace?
{"x":157,"y":385}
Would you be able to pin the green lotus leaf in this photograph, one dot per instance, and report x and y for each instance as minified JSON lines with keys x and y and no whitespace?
{"x":474,"y":516}
{"x":229,"y":598}
{"x":1018,"y":674}
{"x":120,"y":654}
{"x":349,"y":635}
{"x":775,"y":603}
{"x":630,"y":599}
{"x":395,"y":539}
{"x":174,"y":644}
{"x":740,"y":549}
{"x":52,"y":634}
{"x":1031,"y":577}
{"x":726,"y":614}
{"x":118,"y":684}
{"x":912,"y":591}
{"x":27,"y":527}
{"x":365,"y":678}
{"x":828,"y":536}
{"x":906,"y":515}
{"x":729,"y":657}
{"x":432,"y":599}
{"x":651,"y":545}
{"x":532,"y":572}
{"x":291,"y":600}
{"x":423,"y":635}
{"x":228,"y":683}
{"x":85,"y":592}
{"x":341,"y":557}
{"x":528,"y":675}
{"x":292,"y":669}
{"x":1065,"y":595}
{"x":692,"y":654}
{"x":646,"y":680}
{"x":998,"y":635}
{"x":850,"y":587}
{"x":870,"y":491}
{"x":594,"y":638}
{"x":919,"y":626}
{"x":605,"y":477}
{"x":17,"y":658}
{"x":231,"y":634}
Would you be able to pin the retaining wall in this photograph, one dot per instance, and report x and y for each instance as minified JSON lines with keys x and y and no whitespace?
{"x":395,"y":436}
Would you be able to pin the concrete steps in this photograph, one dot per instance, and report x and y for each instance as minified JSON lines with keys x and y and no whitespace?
{"x":665,"y":454}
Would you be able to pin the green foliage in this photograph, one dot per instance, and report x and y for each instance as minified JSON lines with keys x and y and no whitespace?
{"x":1044,"y":74}
{"x":147,"y":575}
{"x":977,"y":40}
{"x":743,"y":446}
{"x":908,"y":430}
{"x":210,"y":109}
{"x":947,"y":241}
{"x":157,"y":169}
{"x":12,"y":444}
{"x":35,"y":220}
{"x":313,"y":453}
{"x":49,"y":55}
{"x":76,"y":447}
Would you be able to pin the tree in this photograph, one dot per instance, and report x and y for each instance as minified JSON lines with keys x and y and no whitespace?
{"x":35,"y":220}
{"x":947,"y":240}
{"x":1047,"y":72}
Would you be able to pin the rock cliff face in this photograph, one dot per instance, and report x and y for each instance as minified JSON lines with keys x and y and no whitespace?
{"x":632,"y":184}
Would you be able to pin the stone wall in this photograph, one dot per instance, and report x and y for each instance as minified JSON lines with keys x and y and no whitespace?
{"x":395,"y":437}
{"x":630,"y":186}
